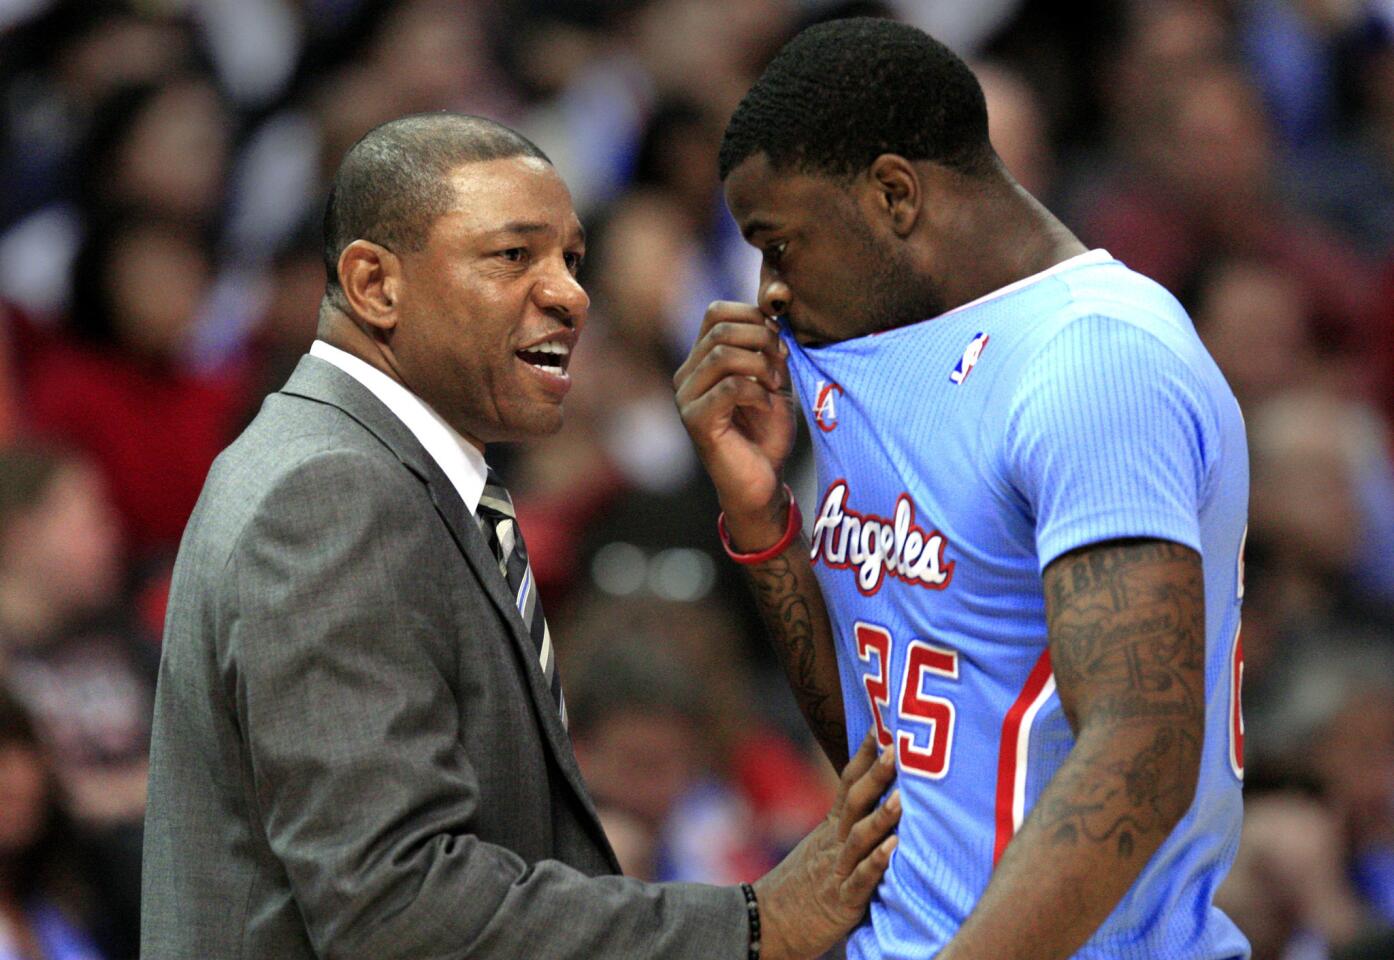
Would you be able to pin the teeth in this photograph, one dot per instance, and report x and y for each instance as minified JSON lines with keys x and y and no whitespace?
{"x":551,"y":346}
{"x":554,"y":371}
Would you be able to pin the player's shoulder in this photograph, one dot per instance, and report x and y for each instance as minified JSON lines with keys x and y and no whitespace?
{"x":1101,"y":326}
{"x":1108,"y":293}
{"x":1105,"y":313}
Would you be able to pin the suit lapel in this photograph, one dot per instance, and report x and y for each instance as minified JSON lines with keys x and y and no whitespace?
{"x":321,"y":381}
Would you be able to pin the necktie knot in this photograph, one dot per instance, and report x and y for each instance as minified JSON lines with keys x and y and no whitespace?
{"x":495,"y":498}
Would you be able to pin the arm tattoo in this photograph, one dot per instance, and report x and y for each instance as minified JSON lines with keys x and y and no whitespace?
{"x":1127,"y":644}
{"x":790,"y":620}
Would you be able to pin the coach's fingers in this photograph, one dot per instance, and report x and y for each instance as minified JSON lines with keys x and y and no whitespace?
{"x":866,"y":790}
{"x":859,"y":763}
{"x":867,"y":832}
{"x":857,"y":889}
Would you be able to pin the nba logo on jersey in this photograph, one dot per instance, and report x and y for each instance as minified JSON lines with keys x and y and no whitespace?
{"x":825,"y":406}
{"x":969,"y":360}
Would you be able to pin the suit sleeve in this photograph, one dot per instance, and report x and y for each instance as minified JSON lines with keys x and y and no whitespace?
{"x":1110,"y":435}
{"x":342,"y":666}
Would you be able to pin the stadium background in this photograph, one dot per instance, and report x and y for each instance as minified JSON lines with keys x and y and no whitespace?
{"x":163,"y":166}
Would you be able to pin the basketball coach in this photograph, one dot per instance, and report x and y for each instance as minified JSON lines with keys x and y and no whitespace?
{"x":359,"y":747}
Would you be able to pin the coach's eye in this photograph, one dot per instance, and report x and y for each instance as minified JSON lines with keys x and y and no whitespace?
{"x":573,"y":261}
{"x":514,"y":254}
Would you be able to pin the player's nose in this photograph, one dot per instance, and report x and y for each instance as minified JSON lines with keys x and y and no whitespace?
{"x":775,"y":296}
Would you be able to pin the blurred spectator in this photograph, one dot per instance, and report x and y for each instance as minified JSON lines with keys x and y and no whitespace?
{"x":646,"y":273}
{"x":285,"y":328}
{"x":1288,"y":889}
{"x":633,"y":842}
{"x":1253,"y":319}
{"x":74,"y":655}
{"x":642,"y":736}
{"x":781,"y":785}
{"x":158,"y":146}
{"x":42,"y":889}
{"x":1322,"y":506}
{"x":1200,"y":179}
{"x":59,"y":546}
{"x":85,"y":674}
{"x":676,"y":163}
{"x":56,"y":69}
{"x":138,"y":285}
{"x":1017,"y":128}
{"x":1352,"y":753}
{"x":1332,"y":724}
{"x":704,"y":50}
{"x":281,"y":176}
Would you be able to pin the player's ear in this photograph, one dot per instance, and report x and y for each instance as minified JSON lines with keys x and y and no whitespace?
{"x":897,"y":191}
{"x":371,"y":275}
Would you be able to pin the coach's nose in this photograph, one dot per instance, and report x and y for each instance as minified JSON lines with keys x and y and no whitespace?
{"x":560,"y":294}
{"x":774,"y":298}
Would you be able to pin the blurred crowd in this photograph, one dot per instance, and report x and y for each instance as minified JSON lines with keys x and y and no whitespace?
{"x":165,"y":164}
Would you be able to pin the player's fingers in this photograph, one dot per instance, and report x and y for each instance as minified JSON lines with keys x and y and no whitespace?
{"x":866,"y":790}
{"x":729,"y":311}
{"x":749,"y":335}
{"x":724,"y":361}
{"x":867,"y":832}
{"x":857,"y":889}
{"x":705,"y":412}
{"x":743,"y":335}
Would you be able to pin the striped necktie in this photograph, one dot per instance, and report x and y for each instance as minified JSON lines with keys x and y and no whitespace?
{"x":500,"y":528}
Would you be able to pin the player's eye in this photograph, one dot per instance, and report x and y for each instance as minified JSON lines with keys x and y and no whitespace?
{"x":774,"y":252}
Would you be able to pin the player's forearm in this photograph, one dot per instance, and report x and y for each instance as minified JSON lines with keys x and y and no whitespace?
{"x":1119,"y":794}
{"x":791,"y":604}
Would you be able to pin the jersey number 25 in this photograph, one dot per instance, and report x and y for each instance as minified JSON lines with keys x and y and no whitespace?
{"x":924,"y":723}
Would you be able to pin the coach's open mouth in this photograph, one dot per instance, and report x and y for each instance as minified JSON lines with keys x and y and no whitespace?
{"x":551,"y":356}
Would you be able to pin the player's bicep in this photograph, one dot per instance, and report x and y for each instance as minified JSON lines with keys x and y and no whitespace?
{"x":1126,"y":622}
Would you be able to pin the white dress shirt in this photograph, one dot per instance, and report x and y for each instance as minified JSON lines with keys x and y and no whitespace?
{"x":461,"y":461}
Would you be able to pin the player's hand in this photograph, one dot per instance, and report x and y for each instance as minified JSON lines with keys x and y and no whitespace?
{"x":820,"y":891}
{"x":733,"y":394}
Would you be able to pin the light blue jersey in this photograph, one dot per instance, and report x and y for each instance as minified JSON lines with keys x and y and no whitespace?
{"x":959,"y":456}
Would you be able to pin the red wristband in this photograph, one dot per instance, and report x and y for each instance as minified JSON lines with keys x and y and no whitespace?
{"x":791,"y":530}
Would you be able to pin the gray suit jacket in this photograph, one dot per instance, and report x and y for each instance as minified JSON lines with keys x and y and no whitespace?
{"x":355,"y":753}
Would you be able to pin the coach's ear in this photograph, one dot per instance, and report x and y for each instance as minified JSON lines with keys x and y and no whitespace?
{"x":371,"y":275}
{"x":896,"y":191}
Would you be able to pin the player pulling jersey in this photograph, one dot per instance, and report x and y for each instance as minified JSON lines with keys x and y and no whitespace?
{"x":959,"y":456}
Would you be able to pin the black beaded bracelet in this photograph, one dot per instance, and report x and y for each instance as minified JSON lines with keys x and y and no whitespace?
{"x":752,"y":915}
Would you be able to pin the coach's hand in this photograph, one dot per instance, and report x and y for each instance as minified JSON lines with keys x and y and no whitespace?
{"x":820,"y":891}
{"x":734,"y":396}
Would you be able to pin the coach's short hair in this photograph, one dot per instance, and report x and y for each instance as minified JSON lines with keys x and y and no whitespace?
{"x":391,"y":185}
{"x":842,"y":93}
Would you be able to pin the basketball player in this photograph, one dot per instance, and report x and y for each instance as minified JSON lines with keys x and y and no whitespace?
{"x":1024,"y":566}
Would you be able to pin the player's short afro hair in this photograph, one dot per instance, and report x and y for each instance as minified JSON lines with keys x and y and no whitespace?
{"x":391,"y":185}
{"x":842,"y":93}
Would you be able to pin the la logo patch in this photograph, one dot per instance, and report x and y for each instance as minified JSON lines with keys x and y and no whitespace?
{"x":969,"y":360}
{"x":825,"y":405}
